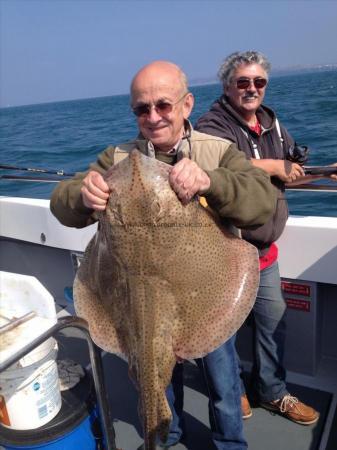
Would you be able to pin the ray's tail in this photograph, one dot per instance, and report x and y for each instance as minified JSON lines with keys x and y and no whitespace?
{"x":154,"y":409}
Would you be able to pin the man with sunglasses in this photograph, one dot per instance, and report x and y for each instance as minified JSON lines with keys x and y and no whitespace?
{"x":202,"y":164}
{"x":240,"y":116}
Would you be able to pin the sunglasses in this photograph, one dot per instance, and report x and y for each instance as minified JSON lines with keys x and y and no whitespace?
{"x":244,"y":83}
{"x":162,"y":107}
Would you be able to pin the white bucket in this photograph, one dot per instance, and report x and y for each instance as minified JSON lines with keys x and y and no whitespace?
{"x":29,"y":389}
{"x":30,"y":395}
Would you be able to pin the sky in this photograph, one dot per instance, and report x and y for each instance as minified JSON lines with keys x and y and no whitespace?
{"x":54,"y":50}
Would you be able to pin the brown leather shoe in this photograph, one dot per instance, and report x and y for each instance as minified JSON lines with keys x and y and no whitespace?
{"x":291,"y":408}
{"x":245,"y":407}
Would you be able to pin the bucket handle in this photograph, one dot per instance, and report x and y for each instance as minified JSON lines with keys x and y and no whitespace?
{"x":16,"y":321}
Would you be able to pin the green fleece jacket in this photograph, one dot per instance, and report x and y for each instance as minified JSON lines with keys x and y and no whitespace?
{"x":240,"y":193}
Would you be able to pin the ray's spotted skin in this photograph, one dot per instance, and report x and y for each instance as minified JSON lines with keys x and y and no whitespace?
{"x":161,"y":281}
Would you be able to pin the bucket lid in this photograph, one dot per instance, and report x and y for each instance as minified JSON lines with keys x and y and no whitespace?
{"x":24,"y":293}
{"x":22,"y":296}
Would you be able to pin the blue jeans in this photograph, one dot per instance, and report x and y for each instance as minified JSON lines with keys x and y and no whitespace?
{"x":268,"y":311}
{"x":221,"y":375}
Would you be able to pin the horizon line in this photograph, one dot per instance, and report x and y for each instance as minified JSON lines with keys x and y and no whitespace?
{"x":195,"y":82}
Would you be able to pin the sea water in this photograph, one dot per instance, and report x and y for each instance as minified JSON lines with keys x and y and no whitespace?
{"x":68,"y":135}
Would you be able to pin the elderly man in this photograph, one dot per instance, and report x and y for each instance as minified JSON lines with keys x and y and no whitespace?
{"x":240,"y":116}
{"x":202,"y":164}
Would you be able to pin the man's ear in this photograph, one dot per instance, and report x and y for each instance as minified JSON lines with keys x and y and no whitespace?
{"x":188,"y":105}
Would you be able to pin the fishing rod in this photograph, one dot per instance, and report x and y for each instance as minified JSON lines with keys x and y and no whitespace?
{"x":320,"y":170}
{"x":37,"y":170}
{"x":26,"y":178}
{"x":301,"y":187}
{"x":311,"y":187}
{"x":308,"y":170}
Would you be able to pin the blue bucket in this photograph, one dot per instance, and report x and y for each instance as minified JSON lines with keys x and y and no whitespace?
{"x":76,"y":426}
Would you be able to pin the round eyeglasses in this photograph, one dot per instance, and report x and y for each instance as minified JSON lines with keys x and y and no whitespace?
{"x":162,"y":107}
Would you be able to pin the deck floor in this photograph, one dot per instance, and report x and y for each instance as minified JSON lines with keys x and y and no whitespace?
{"x":263,"y":431}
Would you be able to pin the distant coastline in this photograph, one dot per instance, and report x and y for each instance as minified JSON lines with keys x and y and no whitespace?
{"x":303,"y":69}
{"x":276,"y":71}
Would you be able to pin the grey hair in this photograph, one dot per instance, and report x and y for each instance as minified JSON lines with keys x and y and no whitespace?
{"x":236,"y":59}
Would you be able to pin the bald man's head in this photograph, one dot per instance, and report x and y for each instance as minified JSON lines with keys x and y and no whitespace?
{"x":157,"y":70}
{"x":161,"y":102}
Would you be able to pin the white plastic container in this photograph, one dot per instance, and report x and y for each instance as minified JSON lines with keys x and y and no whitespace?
{"x":29,"y":389}
{"x":30,"y":396}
